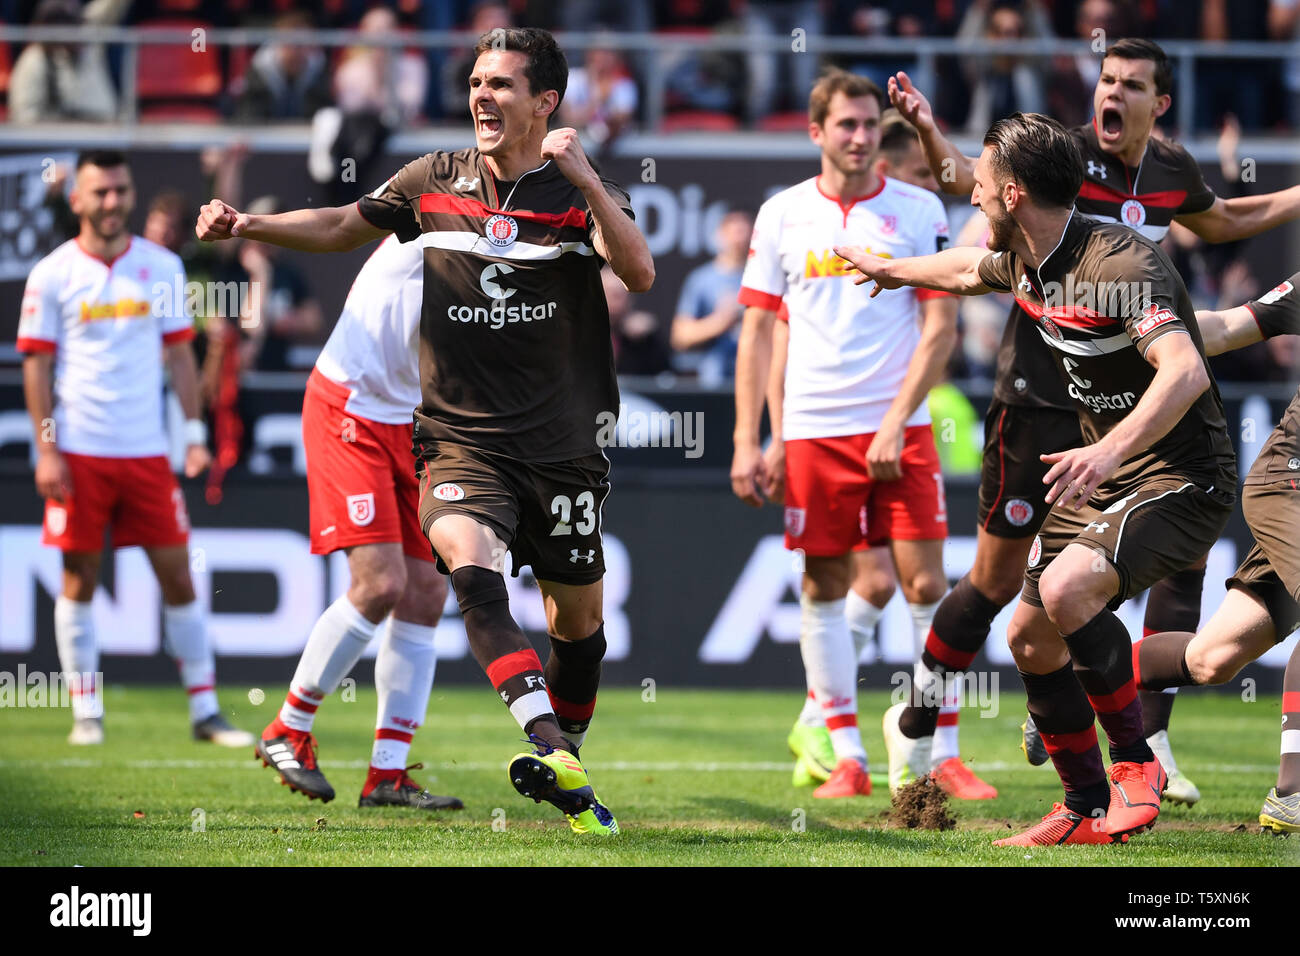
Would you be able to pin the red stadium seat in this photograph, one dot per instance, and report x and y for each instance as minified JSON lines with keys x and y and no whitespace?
{"x":792,"y":122}
{"x":704,"y":121}
{"x":176,"y":81}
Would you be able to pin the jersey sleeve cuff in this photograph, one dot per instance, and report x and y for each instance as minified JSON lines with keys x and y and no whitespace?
{"x":924,"y":295}
{"x":1258,"y":324}
{"x":36,"y":346}
{"x":179,"y":336}
{"x":758,"y":299}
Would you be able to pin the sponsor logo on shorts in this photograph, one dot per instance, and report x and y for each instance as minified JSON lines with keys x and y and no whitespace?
{"x":449,"y":491}
{"x":56,"y":520}
{"x":502,"y":230}
{"x":1276,"y":293}
{"x":1294,"y":464}
{"x":361,"y":508}
{"x":1036,"y":551}
{"x":588,"y":556}
{"x":1019,"y":512}
{"x":1153,"y":317}
{"x":1132,"y":213}
{"x":795,"y":519}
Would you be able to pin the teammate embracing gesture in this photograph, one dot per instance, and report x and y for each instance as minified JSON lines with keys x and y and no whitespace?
{"x":1148,"y":494}
{"x":516,"y":368}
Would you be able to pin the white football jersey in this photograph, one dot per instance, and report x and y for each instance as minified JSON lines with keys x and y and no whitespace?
{"x":106,"y":323}
{"x":849,"y":352}
{"x":373,"y":351}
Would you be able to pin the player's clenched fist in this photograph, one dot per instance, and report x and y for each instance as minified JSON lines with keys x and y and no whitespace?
{"x":563,"y":147}
{"x":217,"y":220}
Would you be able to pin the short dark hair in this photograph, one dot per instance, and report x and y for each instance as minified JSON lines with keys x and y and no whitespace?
{"x":1132,"y":48}
{"x":1037,"y":153}
{"x":546,"y":69}
{"x":103,"y":158}
{"x":835,"y":81}
{"x":897,"y":135}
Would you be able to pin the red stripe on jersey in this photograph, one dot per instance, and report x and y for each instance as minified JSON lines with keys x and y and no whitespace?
{"x":842,"y":720}
{"x":464,"y":206}
{"x":572,"y":711}
{"x":759,"y":300}
{"x":947,"y":720}
{"x":520,"y":662}
{"x":177,"y":337}
{"x":1169,"y":199}
{"x":1246,"y":307}
{"x":1113,"y":703}
{"x":384,"y":733}
{"x":1075,"y":743}
{"x":297,"y":703}
{"x":923,"y":295}
{"x":1291,"y":702}
{"x":37,"y":345}
{"x":1071,"y":316}
{"x":946,"y":655}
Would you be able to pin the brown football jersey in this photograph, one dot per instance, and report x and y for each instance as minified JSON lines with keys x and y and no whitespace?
{"x":1278,"y":313}
{"x":1166,"y":183}
{"x":515,"y":349}
{"x":1099,"y":300}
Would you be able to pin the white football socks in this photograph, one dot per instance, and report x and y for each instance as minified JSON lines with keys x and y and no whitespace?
{"x":404,"y":671}
{"x":333,"y":649}
{"x":185,"y":636}
{"x":74,"y":635}
{"x":863,"y":617}
{"x":832,"y":671}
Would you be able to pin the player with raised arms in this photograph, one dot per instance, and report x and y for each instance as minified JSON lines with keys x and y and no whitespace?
{"x":1142,"y":182}
{"x":516,"y":371}
{"x":1147,"y":493}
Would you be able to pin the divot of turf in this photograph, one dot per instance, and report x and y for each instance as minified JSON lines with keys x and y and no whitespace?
{"x":921,"y":805}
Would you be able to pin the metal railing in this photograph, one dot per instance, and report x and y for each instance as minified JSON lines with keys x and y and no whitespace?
{"x":652,"y":50}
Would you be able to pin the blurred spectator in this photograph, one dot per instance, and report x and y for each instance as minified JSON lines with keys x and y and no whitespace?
{"x":701,"y":79}
{"x":639,"y":348}
{"x":781,"y":79}
{"x":378,"y":89}
{"x":706,"y":326}
{"x":66,"y":81}
{"x":1003,"y":83}
{"x":1284,"y":25}
{"x":280,"y":312}
{"x":1075,"y":77}
{"x":983,"y":317}
{"x":1247,"y":88}
{"x":884,"y":18}
{"x":285,"y":81}
{"x":601,"y":98}
{"x":485,"y":16}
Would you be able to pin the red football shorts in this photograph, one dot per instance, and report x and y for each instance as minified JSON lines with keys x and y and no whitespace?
{"x":361,"y":486}
{"x":138,"y":498}
{"x":832,"y":505}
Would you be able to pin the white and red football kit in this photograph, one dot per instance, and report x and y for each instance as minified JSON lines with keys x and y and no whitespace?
{"x":106,"y":323}
{"x":848,"y":357}
{"x":356,"y":413}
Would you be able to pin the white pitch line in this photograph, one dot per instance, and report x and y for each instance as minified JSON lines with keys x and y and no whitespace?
{"x":629,"y":766}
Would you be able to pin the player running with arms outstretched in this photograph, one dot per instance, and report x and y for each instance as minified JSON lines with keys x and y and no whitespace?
{"x":97,"y":314}
{"x":516,"y":368}
{"x":1147,"y":495}
{"x":1144,"y":183}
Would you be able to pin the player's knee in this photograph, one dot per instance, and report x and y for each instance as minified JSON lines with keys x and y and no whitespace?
{"x":377,"y":592}
{"x":574,"y":624}
{"x":925,"y":587}
{"x":1212,"y":665}
{"x":878,"y":593}
{"x":423,"y":599}
{"x":999,"y":582}
{"x":1067,"y":600}
{"x":1020,"y":642}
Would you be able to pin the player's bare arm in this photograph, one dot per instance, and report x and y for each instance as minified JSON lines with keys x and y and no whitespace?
{"x":617,"y":239}
{"x":953,"y":270}
{"x":185,"y":382}
{"x":1180,"y":379}
{"x":924,"y":371}
{"x":328,"y":229}
{"x":1230,"y":329}
{"x":1244,"y":216}
{"x":774,"y":454}
{"x":753,"y":369}
{"x":955,"y":171}
{"x":38,"y":389}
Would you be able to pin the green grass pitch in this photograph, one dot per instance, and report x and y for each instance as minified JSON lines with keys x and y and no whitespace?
{"x":694,"y":777}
